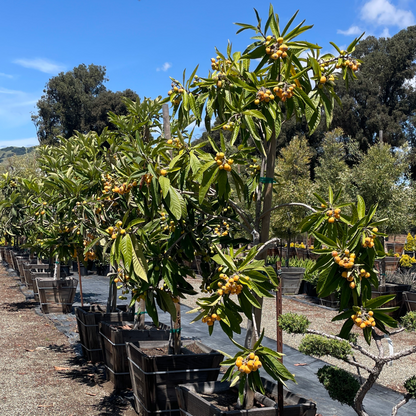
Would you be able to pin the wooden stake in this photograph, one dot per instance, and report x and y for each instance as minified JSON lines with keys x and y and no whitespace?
{"x":80,"y":281}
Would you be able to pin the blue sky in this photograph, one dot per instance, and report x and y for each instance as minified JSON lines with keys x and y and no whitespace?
{"x":143,"y":43}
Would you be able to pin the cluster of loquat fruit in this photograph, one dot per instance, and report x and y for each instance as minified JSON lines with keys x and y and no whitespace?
{"x":231,"y":285}
{"x":277,"y":49}
{"x":248,"y":364}
{"x":344,"y":259}
{"x":178,"y":90}
{"x":218,"y":230}
{"x":90,"y":255}
{"x":223,"y":162}
{"x":333,"y":214}
{"x":210,"y":319}
{"x":219,"y":64}
{"x":363,"y":319}
{"x":165,"y":226}
{"x":114,"y":231}
{"x":229,"y":126}
{"x":254,"y":169}
{"x":369,"y":241}
{"x":175,"y":142}
{"x":148,"y":178}
{"x":110,"y":185}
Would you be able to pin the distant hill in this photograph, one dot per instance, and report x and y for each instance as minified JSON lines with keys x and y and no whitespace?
{"x":9,"y":151}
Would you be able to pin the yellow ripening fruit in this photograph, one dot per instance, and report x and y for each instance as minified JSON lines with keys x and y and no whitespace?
{"x":163,"y":172}
{"x":334,"y":253}
{"x":352,"y":285}
{"x":331,"y":220}
{"x":322,"y":80}
{"x":329,"y":213}
{"x":252,"y":356}
{"x":363,"y":325}
{"x":371,"y":313}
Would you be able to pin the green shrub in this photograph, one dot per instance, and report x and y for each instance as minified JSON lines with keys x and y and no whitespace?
{"x":319,"y":346}
{"x":293,"y":323}
{"x":410,"y":386}
{"x":340,"y":384}
{"x":409,"y":321}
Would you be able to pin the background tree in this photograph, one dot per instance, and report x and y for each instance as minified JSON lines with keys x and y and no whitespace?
{"x":332,"y":169}
{"x":383,"y":98}
{"x":293,"y":184}
{"x":380,"y":178}
{"x":76,"y":100}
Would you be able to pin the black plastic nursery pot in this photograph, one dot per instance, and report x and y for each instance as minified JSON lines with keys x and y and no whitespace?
{"x":114,"y":336}
{"x":154,"y":377}
{"x":88,"y":318}
{"x":193,"y":404}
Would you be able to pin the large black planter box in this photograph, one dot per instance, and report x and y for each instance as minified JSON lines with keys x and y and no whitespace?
{"x":390,"y":289}
{"x":410,"y":300}
{"x":113,"y":344}
{"x":88,"y":318}
{"x":154,"y":378}
{"x":192,"y":404}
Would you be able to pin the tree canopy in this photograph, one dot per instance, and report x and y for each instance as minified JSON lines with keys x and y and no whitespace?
{"x":77,"y":100}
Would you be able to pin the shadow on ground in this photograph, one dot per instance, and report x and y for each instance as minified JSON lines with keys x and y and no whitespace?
{"x":16,"y":306}
{"x":116,"y":403}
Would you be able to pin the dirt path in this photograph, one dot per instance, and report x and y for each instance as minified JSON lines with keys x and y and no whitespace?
{"x":40,"y":374}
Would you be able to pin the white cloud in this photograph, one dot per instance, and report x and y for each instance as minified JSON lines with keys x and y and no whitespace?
{"x":40,"y":64}
{"x":5,"y":75}
{"x":31,"y":141}
{"x":353,"y":30}
{"x":164,"y":67}
{"x":382,"y":12}
{"x":385,"y":33}
{"x":15,"y":107}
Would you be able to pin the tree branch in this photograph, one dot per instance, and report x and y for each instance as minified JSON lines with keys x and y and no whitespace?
{"x":353,"y":346}
{"x":290,"y":204}
{"x":406,"y":398}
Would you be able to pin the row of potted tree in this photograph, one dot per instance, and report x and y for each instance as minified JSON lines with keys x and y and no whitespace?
{"x":153,"y":200}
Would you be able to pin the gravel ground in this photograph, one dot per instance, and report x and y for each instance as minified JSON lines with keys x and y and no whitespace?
{"x":40,"y":373}
{"x":320,"y":317}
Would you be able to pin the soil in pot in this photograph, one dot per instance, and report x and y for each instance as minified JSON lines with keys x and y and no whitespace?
{"x":154,"y":377}
{"x":114,"y":336}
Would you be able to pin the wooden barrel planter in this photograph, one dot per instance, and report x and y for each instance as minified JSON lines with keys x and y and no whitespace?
{"x":291,"y":278}
{"x":390,"y":289}
{"x":113,"y":344}
{"x":192,"y":404}
{"x":409,"y":299}
{"x":154,"y":377}
{"x":37,"y":270}
{"x":88,"y":318}
{"x":56,"y":296}
{"x":27,"y":266}
{"x":21,"y":260}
